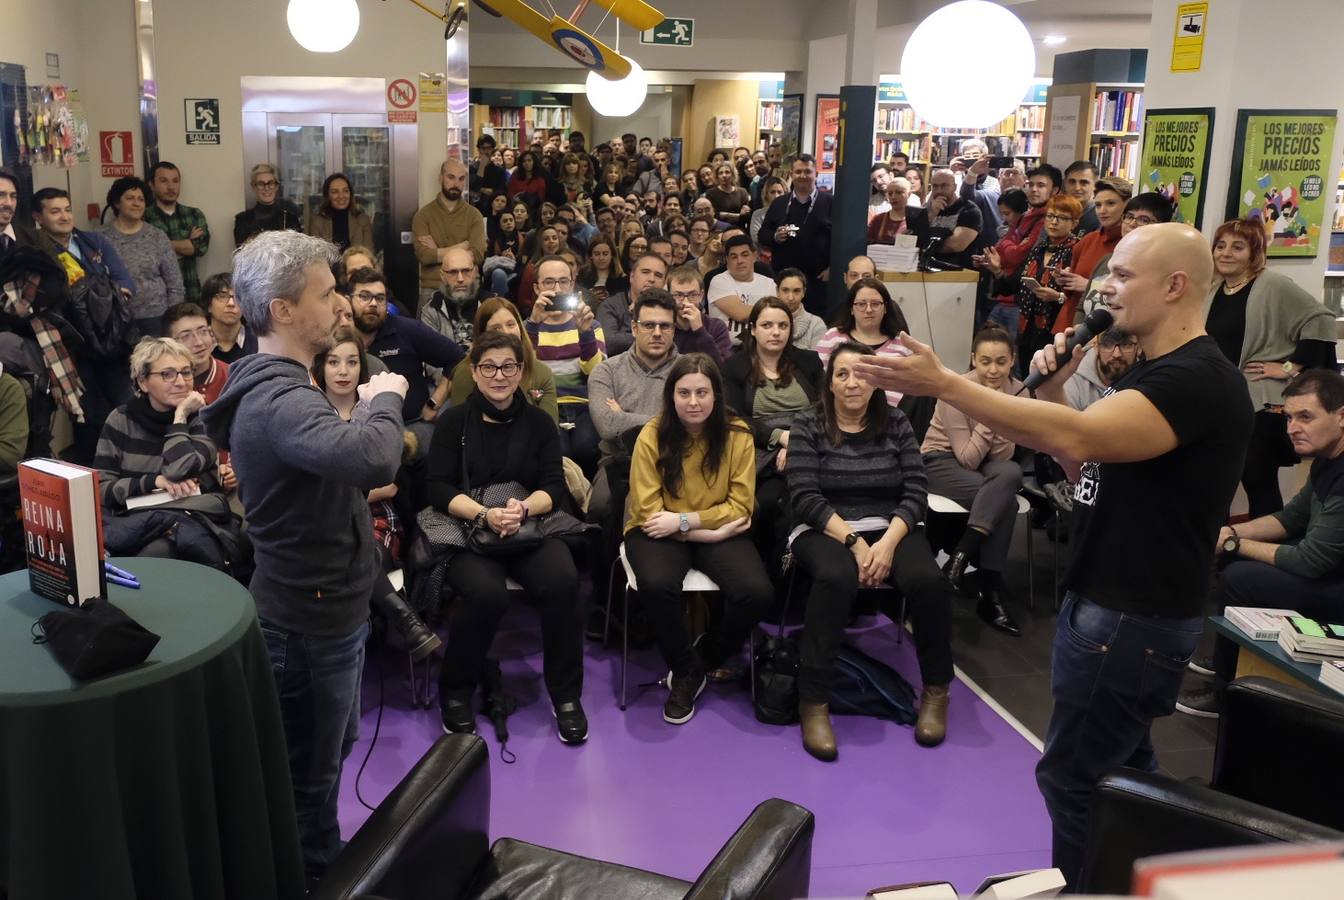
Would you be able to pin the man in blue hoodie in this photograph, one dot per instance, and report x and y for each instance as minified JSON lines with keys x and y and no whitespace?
{"x":303,"y":475}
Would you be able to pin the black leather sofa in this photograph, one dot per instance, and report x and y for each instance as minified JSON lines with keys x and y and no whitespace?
{"x":430,"y":839}
{"x":1273,"y":780}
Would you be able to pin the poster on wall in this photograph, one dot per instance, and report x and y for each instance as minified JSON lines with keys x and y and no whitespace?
{"x":1280,"y":173}
{"x":827,"y":148}
{"x":1175,"y":160}
{"x":727,"y":131}
{"x":791,"y":141}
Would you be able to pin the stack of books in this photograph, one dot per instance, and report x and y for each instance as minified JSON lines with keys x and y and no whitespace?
{"x":1259,"y":624}
{"x":1312,"y":640}
{"x":1332,"y":674}
{"x":902,"y":256}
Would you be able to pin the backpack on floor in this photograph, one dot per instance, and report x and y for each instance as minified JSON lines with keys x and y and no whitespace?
{"x":776,"y":700}
{"x":862,"y":686}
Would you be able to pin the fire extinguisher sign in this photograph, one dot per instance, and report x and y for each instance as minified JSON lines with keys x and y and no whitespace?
{"x":116,"y":153}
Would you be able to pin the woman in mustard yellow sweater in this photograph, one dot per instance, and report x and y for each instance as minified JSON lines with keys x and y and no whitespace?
{"x":692,"y":488}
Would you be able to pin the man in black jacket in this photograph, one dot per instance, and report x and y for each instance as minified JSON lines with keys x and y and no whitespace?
{"x":12,"y":233}
{"x":797,"y":229}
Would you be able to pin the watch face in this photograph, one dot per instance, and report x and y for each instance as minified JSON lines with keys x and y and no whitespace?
{"x":1230,"y":545}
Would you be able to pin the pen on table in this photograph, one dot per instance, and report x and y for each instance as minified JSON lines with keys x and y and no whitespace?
{"x":120,"y":573}
{"x":124,"y":582}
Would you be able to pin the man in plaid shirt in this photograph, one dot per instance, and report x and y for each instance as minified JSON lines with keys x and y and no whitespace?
{"x":185,"y":225}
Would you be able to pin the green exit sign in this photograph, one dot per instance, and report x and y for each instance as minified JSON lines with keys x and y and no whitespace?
{"x":670,"y":33}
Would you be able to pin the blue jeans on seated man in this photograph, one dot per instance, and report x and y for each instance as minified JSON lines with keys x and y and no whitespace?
{"x":1111,"y":674}
{"x":318,"y":682}
{"x":1246,"y":582}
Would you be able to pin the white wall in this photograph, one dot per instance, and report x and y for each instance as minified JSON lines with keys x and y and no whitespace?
{"x":1229,"y":80}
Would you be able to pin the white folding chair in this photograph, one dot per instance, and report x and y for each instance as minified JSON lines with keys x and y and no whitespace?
{"x":947,"y":506}
{"x":695,"y":580}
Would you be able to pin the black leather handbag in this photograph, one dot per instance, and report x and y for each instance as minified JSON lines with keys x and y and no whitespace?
{"x":94,"y":639}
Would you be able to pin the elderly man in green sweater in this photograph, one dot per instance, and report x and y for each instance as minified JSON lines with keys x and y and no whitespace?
{"x":1292,"y":559}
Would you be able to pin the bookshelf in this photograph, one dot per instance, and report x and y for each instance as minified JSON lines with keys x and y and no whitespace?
{"x":899,"y":129}
{"x":516,"y":117}
{"x":769,"y":114}
{"x":1105,"y":128}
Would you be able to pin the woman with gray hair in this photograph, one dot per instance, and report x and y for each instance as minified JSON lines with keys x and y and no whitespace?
{"x":272,"y":211}
{"x":155,"y":447}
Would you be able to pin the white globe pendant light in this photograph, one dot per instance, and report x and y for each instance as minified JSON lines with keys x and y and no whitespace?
{"x":323,"y":26}
{"x":614,"y":99}
{"x":948,"y":95}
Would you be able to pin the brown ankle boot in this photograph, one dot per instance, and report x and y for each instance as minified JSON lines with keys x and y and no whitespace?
{"x":931,"y":726}
{"x":818,"y":739}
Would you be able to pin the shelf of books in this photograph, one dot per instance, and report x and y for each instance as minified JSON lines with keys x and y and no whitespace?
{"x":769,"y":114}
{"x":516,"y":117}
{"x":899,"y":130}
{"x":1117,"y":117}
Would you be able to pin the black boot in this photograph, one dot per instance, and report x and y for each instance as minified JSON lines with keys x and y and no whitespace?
{"x":990,"y":608}
{"x":415,"y":635}
{"x":955,"y":569}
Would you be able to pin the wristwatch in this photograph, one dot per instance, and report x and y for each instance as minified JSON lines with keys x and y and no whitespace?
{"x":851,"y":539}
{"x":685,"y":525}
{"x":1289,"y":369}
{"x":480,"y":521}
{"x":1233,"y":542}
{"x":431,"y":404}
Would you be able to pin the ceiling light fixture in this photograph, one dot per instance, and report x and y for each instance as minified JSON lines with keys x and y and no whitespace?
{"x":1051,"y":40}
{"x":979,"y":30}
{"x":323,"y":26}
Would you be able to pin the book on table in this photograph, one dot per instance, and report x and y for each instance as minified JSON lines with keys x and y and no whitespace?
{"x":1332,"y":674}
{"x":1311,"y":640}
{"x":1259,"y":624}
{"x":155,"y":498}
{"x":1033,"y":883}
{"x":1243,"y":873}
{"x":917,"y":890}
{"x":62,"y":531}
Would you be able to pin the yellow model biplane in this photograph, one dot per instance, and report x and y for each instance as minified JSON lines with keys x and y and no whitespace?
{"x":566,"y":36}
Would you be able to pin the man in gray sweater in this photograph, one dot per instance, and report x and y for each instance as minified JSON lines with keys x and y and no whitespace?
{"x":303,"y":477}
{"x":626,"y":391}
{"x":1294,"y":558}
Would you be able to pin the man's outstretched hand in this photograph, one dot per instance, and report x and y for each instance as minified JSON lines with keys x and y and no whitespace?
{"x":921,"y":373}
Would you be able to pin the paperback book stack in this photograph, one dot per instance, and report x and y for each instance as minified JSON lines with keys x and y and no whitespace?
{"x":1332,"y":674}
{"x":1259,"y":624}
{"x":902,"y":256}
{"x":1312,"y":640}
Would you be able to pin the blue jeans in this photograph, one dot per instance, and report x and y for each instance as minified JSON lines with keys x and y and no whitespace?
{"x":318,"y":682}
{"x":1111,"y":674}
{"x":1007,"y":315}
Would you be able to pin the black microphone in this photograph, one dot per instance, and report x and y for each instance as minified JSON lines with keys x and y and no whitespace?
{"x":1096,"y":322}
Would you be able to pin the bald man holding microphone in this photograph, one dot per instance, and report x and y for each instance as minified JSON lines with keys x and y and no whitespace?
{"x":1156,"y":462}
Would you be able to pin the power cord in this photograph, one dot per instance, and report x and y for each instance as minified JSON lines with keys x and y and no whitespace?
{"x":377,"y":727}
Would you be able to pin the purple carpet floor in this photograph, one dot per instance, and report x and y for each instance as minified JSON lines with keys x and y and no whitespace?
{"x":665,"y":798}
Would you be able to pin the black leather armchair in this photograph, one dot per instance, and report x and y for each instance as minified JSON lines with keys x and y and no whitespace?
{"x":429,"y":839}
{"x":1275,"y":742}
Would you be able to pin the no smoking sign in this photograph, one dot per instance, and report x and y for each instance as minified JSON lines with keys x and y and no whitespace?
{"x":401,"y":96}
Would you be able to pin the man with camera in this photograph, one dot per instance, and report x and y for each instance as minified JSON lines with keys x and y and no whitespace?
{"x":569,"y":340}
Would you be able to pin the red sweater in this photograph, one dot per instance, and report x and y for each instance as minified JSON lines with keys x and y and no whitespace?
{"x":1014,"y":246}
{"x":1092,"y":249}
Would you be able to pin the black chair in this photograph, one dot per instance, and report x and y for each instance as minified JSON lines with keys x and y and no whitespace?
{"x":429,"y":840}
{"x":1277,"y":746}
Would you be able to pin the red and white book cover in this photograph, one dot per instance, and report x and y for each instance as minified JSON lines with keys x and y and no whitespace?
{"x":62,"y":531}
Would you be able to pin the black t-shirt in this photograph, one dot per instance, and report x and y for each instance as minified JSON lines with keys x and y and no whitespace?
{"x":959,"y":215}
{"x":1143,"y":532}
{"x":1226,"y":322}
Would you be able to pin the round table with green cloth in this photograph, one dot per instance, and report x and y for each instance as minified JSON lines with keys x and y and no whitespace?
{"x":167,"y":780}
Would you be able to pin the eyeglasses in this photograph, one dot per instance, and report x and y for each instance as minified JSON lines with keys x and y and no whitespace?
{"x":1139,"y":220}
{"x":223,"y":297}
{"x":458,"y":273}
{"x":552,"y":284}
{"x":687,"y":295}
{"x":368,"y":297}
{"x":265,"y":185}
{"x":655,"y":326}
{"x":203,"y":333}
{"x":490,"y":370}
{"x":171,"y":375}
{"x":1057,"y":217}
{"x":868,"y":305}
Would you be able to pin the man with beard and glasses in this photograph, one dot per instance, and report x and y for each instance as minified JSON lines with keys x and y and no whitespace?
{"x":405,"y":346}
{"x":446,"y":223}
{"x":451,"y":308}
{"x":302,"y":472}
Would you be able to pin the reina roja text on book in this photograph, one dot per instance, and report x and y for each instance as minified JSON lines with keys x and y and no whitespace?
{"x":62,"y":531}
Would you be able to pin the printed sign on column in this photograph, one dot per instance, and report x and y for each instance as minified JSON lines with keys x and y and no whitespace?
{"x":433,"y":92}
{"x":202,"y":121}
{"x":116,"y":154}
{"x":401,"y":94}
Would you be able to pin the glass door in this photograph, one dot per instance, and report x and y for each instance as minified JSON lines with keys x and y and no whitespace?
{"x":300,"y":153}
{"x":366,"y":159}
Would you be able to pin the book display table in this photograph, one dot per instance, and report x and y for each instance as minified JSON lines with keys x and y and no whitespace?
{"x":1268,"y":659}
{"x":169,"y":779}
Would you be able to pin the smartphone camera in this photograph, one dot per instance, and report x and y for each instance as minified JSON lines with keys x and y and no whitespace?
{"x":566,"y":302}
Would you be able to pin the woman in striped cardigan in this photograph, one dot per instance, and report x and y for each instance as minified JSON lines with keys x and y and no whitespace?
{"x":859,"y":493}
